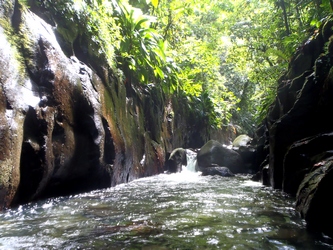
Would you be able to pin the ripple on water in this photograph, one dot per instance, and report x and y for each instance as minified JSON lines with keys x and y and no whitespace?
{"x":176,"y":211}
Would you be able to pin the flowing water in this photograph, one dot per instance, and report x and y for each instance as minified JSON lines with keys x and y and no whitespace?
{"x":167,"y":211}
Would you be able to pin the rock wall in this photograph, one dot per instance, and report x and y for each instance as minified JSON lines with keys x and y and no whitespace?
{"x":66,"y":127}
{"x":295,"y":140}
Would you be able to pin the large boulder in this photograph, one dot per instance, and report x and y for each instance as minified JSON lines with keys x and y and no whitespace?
{"x":243,"y":146}
{"x":241,"y":141}
{"x":314,"y":197}
{"x":214,"y":152}
{"x":176,"y":160}
{"x":301,"y":157}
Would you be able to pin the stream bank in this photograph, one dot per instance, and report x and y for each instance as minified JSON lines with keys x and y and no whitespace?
{"x":68,"y":122}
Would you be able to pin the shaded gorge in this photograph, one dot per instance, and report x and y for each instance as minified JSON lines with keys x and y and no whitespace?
{"x":166,"y":211}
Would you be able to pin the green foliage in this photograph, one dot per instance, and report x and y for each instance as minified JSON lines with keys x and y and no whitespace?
{"x":102,"y":26}
{"x":233,"y":51}
{"x":153,"y":2}
{"x":15,"y":41}
{"x":260,"y":42}
{"x":24,"y":3}
{"x":118,"y":33}
{"x":195,"y":50}
{"x":142,"y":54}
{"x":224,"y":56}
{"x":202,"y":113}
{"x":141,"y":50}
{"x":74,"y":19}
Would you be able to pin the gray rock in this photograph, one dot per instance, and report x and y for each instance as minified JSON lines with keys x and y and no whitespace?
{"x":214,"y":152}
{"x":241,"y":140}
{"x":176,"y":160}
{"x":313,"y":199}
{"x":217,"y":170}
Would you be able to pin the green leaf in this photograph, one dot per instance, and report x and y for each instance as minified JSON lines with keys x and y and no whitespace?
{"x":154,"y":3}
{"x":158,"y":72}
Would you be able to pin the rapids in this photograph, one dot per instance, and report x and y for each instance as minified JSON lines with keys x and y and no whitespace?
{"x":167,"y":211}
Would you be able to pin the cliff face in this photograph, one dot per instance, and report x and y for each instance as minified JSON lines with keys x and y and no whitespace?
{"x":66,"y":127}
{"x":295,"y":140}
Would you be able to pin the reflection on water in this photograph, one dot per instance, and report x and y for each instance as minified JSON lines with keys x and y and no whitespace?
{"x":176,"y":211}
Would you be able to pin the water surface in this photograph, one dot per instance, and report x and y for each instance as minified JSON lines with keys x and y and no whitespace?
{"x":176,"y":211}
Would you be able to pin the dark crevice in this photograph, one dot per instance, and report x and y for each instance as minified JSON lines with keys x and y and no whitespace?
{"x":109,"y":150}
{"x":32,"y":158}
{"x":81,"y":174}
{"x":58,"y":138}
{"x":8,"y":105}
{"x":17,"y":16}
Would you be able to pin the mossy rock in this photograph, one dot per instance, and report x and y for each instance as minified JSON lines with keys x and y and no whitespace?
{"x":214,"y":152}
{"x":176,"y":160}
{"x":241,"y":140}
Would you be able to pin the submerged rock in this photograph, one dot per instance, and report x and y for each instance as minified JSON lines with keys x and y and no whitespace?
{"x":217,"y":170}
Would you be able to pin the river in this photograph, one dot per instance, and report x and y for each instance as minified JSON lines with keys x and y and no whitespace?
{"x":167,"y":211}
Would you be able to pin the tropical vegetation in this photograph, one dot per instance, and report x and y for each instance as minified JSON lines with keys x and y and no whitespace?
{"x":223,"y":56}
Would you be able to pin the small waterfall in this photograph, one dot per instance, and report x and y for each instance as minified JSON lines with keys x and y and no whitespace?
{"x":191,"y":158}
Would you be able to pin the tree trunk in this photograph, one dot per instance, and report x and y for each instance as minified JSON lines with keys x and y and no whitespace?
{"x":285,"y":16}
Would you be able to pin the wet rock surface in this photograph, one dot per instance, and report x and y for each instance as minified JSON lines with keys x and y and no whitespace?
{"x":177,"y":159}
{"x":66,"y":127}
{"x":313,"y":197}
{"x":293,"y":144}
{"x":214,"y":152}
{"x":217,"y":170}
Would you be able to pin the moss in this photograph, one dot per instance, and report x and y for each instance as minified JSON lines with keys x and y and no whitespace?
{"x":108,"y":112}
{"x":5,"y":173}
{"x":7,"y":7}
{"x":15,"y":40}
